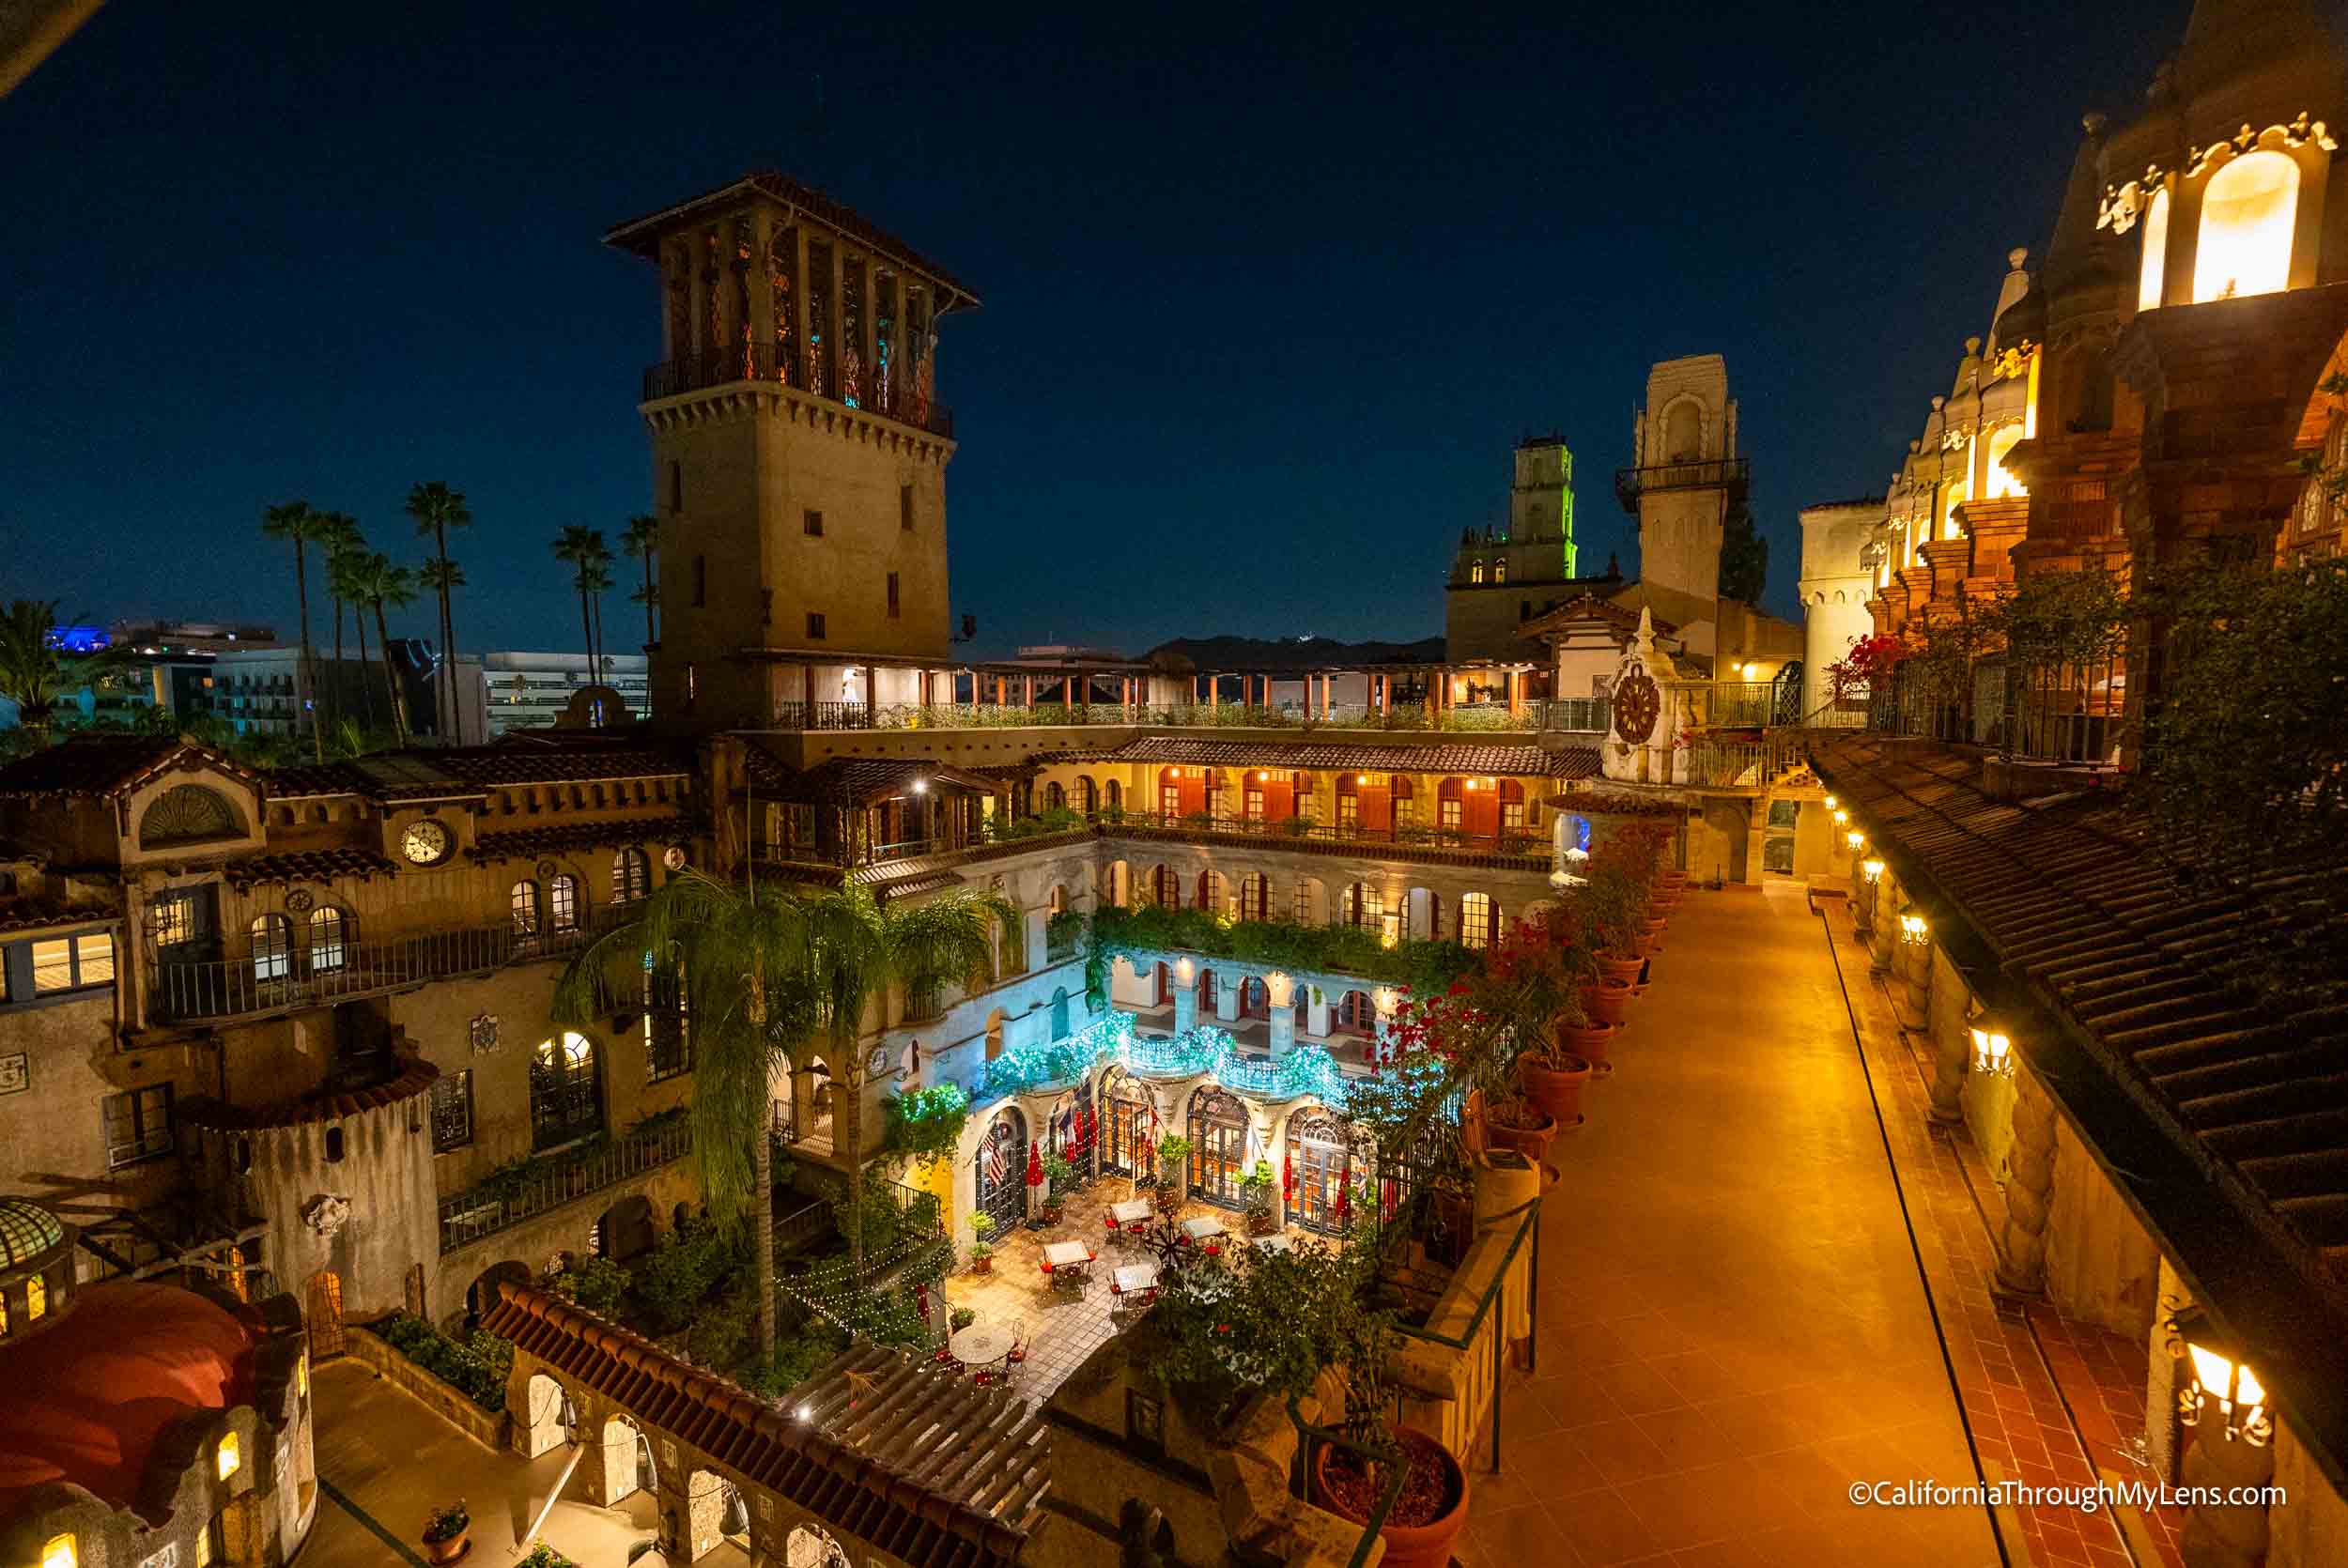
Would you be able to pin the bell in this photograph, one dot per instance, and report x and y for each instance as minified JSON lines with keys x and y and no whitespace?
{"x":735,"y":1521}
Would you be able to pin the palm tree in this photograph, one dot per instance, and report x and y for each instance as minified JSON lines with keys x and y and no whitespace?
{"x":438,"y":509}
{"x":34,"y":672}
{"x":597,"y":580}
{"x":342,"y":538}
{"x":578,"y":545}
{"x":642,"y":540}
{"x":386,"y":585}
{"x":302,"y":523}
{"x":439,"y":575}
{"x":858,"y":948}
{"x":746,"y":952}
{"x":348,"y":570}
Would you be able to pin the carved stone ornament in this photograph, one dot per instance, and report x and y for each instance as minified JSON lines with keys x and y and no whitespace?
{"x":485,"y":1034}
{"x":300,"y":901}
{"x":2123,"y":205}
{"x":1637,"y":703}
{"x":2297,"y":133}
{"x":325,"y":1214}
{"x":547,"y":867}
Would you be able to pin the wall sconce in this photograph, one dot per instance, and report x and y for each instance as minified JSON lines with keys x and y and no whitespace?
{"x":1871,"y":869}
{"x":1842,"y":817}
{"x":1914,"y":929}
{"x":1831,"y":803}
{"x":921,"y":786}
{"x":59,"y":1553}
{"x":2218,"y":1375}
{"x":1993,"y":1044}
{"x":230,"y":1458}
{"x":1856,"y":839}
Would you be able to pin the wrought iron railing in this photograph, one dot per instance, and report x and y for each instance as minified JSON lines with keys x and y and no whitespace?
{"x":507,"y":1200}
{"x":271,"y":980}
{"x":1306,"y":830}
{"x":1584,"y":716}
{"x":760,"y":361}
{"x":2074,"y":713}
{"x":1731,"y":473}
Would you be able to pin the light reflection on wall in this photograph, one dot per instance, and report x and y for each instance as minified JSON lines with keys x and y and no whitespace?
{"x":2147,"y":283}
{"x":2248,"y":209}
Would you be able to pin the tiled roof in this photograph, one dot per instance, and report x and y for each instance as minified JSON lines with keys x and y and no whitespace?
{"x":27,"y":915}
{"x":306,"y":865}
{"x":415,"y":1077}
{"x":2067,"y":893}
{"x":1522,"y":760}
{"x":426,"y":774}
{"x":524,"y":843}
{"x":108,"y":764}
{"x":816,"y":205}
{"x":912,"y":1458}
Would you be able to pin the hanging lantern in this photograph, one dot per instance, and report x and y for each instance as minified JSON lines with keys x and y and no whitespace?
{"x":1872,"y":869}
{"x":1831,"y":803}
{"x":1993,"y":1044}
{"x":2217,"y":1375}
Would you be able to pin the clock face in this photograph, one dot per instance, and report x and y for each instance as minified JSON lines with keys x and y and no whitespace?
{"x":426,"y":842}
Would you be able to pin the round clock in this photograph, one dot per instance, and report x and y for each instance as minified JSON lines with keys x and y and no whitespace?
{"x":674,"y":858}
{"x":1638,"y":702}
{"x":426,"y":842}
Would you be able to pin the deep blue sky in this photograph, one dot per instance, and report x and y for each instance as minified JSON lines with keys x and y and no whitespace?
{"x":1266,"y":305}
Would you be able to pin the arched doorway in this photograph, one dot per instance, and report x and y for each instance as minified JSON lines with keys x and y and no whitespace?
{"x":1165,"y":886}
{"x":1060,"y":1013}
{"x":625,"y":1229}
{"x":1070,"y":1129}
{"x":1164,"y":978}
{"x":1127,"y":1148}
{"x":541,"y":1422}
{"x":1212,"y":892}
{"x":999,"y":1169}
{"x":1218,"y":1148}
{"x":1320,"y":1172}
{"x":1357,"y":1014}
{"x":1088,"y":795}
{"x":1255,"y":998}
{"x":1255,"y":897}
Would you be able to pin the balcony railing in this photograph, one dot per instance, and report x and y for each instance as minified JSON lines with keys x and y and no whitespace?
{"x":1728,"y":474}
{"x":1306,"y":830}
{"x":505,"y":1201}
{"x":760,"y":361}
{"x":277,"y":981}
{"x":1582,"y":714}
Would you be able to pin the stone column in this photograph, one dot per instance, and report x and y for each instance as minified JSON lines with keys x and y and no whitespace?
{"x":801,"y":316}
{"x":2029,"y":1189}
{"x":1886,"y":926}
{"x":1281,"y":991}
{"x":1185,"y":996}
{"x":1227,"y":998}
{"x":1947,"y":1008}
{"x":1757,"y":837}
{"x":1317,"y":1014}
{"x":872,"y":693}
{"x":1913,"y":998}
{"x":2225,"y":1535}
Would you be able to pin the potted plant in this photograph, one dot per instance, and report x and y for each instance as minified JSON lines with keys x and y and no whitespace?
{"x":962,"y":1317}
{"x":1173,"y":1155}
{"x":1430,"y":1511}
{"x":1059,"y":1175}
{"x":981,"y":1250}
{"x":1255,"y":1190}
{"x":448,"y":1534}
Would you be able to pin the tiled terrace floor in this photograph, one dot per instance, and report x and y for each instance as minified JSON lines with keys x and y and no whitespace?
{"x":1733,"y":1328}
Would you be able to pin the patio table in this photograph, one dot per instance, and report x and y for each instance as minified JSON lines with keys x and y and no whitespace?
{"x":1202,"y":1227}
{"x":1134,"y":1211}
{"x":1134,"y":1277}
{"x":980,"y":1345}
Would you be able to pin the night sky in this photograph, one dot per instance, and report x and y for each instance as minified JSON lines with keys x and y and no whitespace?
{"x":1265,"y":306}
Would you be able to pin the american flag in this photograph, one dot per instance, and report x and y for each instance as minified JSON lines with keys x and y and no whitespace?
{"x":994,"y":1166}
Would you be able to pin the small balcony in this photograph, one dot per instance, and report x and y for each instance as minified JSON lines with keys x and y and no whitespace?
{"x":1732,"y":475}
{"x":1406,"y":841}
{"x":762,"y":361}
{"x":508,"y":1198}
{"x":265,"y":981}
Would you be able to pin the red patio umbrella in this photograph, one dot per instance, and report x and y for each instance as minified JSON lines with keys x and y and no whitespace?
{"x":1035,"y":1166}
{"x":1287,"y":1176}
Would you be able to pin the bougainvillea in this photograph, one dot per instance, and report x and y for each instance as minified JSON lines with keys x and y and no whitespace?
{"x":1870,"y":660}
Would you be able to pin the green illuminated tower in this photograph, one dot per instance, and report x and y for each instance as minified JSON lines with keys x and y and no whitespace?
{"x":1541,"y":507}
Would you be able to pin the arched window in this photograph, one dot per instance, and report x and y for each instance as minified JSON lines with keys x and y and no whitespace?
{"x":1479,"y":919}
{"x":523,"y":902}
{"x":1321,"y":1160}
{"x":188,"y":814}
{"x":1218,"y":1148}
{"x":1365,"y":906}
{"x":1255,"y":897}
{"x":1959,"y":493}
{"x":1476,"y":571}
{"x":1088,"y":795}
{"x":1400,"y":792}
{"x":1451,"y":805}
{"x":2150,"y":280}
{"x":1212,"y":891}
{"x":2001,"y":482}
{"x":272,"y":948}
{"x":1511,"y":806}
{"x":631,"y":875}
{"x":2248,"y":210}
{"x":1055,"y":796}
{"x":564,"y":1101}
{"x":1500,"y":570}
{"x":1115,"y":796}
{"x":562,"y":903}
{"x":326,"y":933}
{"x":1165,"y":886}
{"x":1060,"y":1013}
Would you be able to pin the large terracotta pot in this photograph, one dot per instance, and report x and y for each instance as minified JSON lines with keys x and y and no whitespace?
{"x":1556,"y":1091}
{"x":451,"y":1550}
{"x":1426,"y":1545}
{"x":1608,"y":999}
{"x":1621,"y":966}
{"x":1589,"y":1042}
{"x":1530,"y":1142}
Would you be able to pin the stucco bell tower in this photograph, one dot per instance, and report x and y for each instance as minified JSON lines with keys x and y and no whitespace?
{"x":1686,"y":475}
{"x":799,"y":453}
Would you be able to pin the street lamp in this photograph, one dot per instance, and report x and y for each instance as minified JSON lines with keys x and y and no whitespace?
{"x":1993,"y":1044}
{"x":1857,"y":840}
{"x":2219,"y":1376}
{"x":1871,"y":868}
{"x":1914,"y":930}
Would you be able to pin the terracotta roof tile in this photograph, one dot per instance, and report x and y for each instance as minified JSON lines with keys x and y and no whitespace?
{"x":306,"y":865}
{"x":108,"y":764}
{"x":524,"y":843}
{"x":823,"y":208}
{"x":865,"y":1474}
{"x":27,"y":915}
{"x":415,"y":1077}
{"x":1493,"y":759}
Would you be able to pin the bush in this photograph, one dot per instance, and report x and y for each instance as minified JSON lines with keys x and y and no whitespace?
{"x":796,"y":1359}
{"x":723,"y":1331}
{"x":927,"y":1123}
{"x":476,"y":1367}
{"x":595,"y":1283}
{"x":673,"y":1279}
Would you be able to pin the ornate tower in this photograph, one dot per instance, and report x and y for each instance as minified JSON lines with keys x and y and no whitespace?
{"x":1540,"y":506}
{"x":799,"y":458}
{"x":1684,"y":477}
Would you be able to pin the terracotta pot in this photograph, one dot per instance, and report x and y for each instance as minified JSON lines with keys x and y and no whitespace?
{"x":451,"y":1550}
{"x":1260,"y":1223}
{"x":1426,"y":1545}
{"x":982,"y":1264}
{"x":1608,"y":1000}
{"x":1556,"y":1091}
{"x":1621,"y":966}
{"x":1169,"y":1198}
{"x":1589,"y":1042}
{"x":1648,"y":943}
{"x":1530,"y":1142}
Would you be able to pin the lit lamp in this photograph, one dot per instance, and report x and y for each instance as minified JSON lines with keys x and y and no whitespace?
{"x":1871,"y":868}
{"x":1831,"y":803}
{"x":1993,"y":1044}
{"x":1856,"y":839}
{"x":1842,"y":817}
{"x":59,"y":1553}
{"x":1914,"y":930}
{"x":2219,"y":1377}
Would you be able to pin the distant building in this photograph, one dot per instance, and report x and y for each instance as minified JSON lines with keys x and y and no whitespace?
{"x":524,"y":691}
{"x":257,"y":691}
{"x":1501,"y":580}
{"x":157,"y":637}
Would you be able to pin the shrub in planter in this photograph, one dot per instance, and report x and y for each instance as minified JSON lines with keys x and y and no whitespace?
{"x":1058,"y":1177}
{"x":962,"y":1317}
{"x":1255,"y":1190}
{"x":1173,"y":1155}
{"x":981,"y":1250}
{"x":446,"y":1532}
{"x":595,"y":1283}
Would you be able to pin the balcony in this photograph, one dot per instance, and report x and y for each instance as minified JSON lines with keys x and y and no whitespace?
{"x":1407,"y":841}
{"x":540,"y":1186}
{"x":277,"y":981}
{"x":760,"y":361}
{"x":1583,"y":715}
{"x":1732,"y":475}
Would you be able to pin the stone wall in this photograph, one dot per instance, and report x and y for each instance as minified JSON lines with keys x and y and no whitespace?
{"x":491,"y":1429}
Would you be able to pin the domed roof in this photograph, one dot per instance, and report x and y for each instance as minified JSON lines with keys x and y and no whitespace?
{"x":26,"y":1231}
